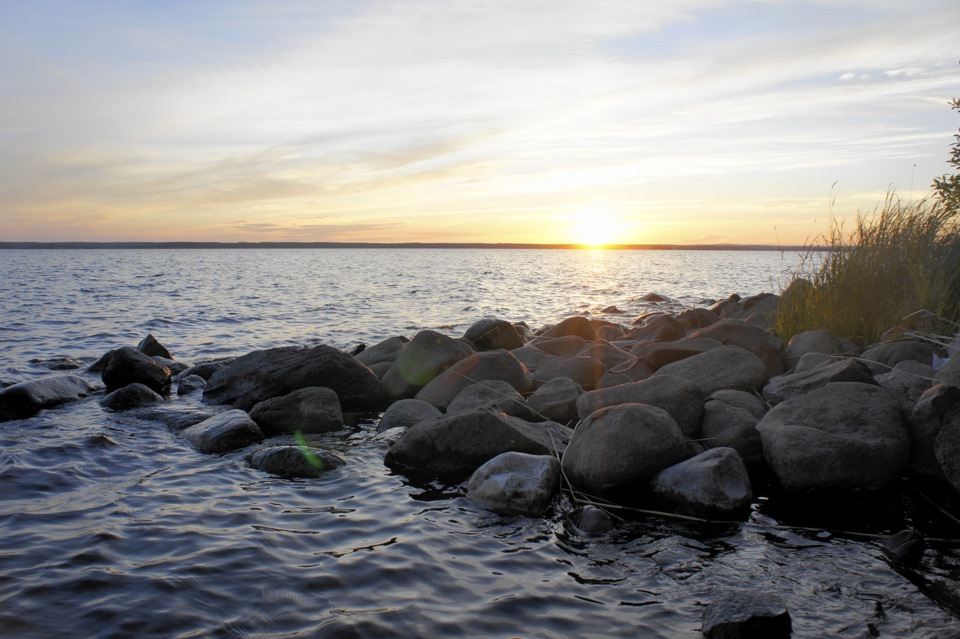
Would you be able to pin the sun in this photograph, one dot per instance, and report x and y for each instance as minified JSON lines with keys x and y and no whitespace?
{"x":596,"y":228}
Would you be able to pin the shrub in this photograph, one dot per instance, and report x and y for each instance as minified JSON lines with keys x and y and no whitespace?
{"x":947,"y":187}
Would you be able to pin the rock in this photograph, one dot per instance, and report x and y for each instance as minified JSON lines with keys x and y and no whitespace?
{"x":883,"y":357}
{"x":732,"y":332}
{"x":279,"y":371}
{"x":579,"y":326}
{"x":516,"y":484}
{"x":936,"y":406}
{"x":662,"y":328}
{"x":813,"y":360}
{"x":783,"y":387}
{"x":618,"y":449}
{"x":429,"y":354}
{"x":560,"y":346}
{"x":58,"y":364}
{"x":556,"y":400}
{"x":654,"y":297}
{"x":532,"y":357}
{"x":609,"y":332}
{"x":174,"y":367}
{"x":749,"y":402}
{"x":732,"y":426}
{"x":223,"y":433}
{"x":206,"y":369}
{"x":462,"y":442}
{"x":838,"y":439}
{"x":712,"y":485}
{"x":719,"y":368}
{"x":130,"y":396}
{"x":605,"y":353}
{"x":659,"y":354}
{"x":746,"y":615}
{"x":405,"y":413}
{"x":294,"y":461}
{"x":590,"y":520}
{"x":127,"y":365}
{"x":585,"y":371}
{"x":496,"y":394}
{"x":947,"y":451}
{"x":314,"y":409}
{"x":490,"y":334}
{"x":694,"y":318}
{"x":28,"y":398}
{"x":682,"y":400}
{"x":174,"y":418}
{"x":908,"y":381}
{"x":905,"y":547}
{"x":633,"y":370}
{"x":816,"y":341}
{"x":611,"y":310}
{"x":949,"y":372}
{"x":190,"y":383}
{"x":796,"y":293}
{"x":150,"y":346}
{"x":478,"y":367}
{"x":760,"y":310}
{"x":386,"y":351}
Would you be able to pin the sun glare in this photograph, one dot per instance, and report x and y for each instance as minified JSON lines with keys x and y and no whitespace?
{"x":596,"y":228}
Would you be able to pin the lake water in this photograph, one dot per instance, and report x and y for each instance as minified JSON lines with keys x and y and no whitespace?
{"x":113,"y":527}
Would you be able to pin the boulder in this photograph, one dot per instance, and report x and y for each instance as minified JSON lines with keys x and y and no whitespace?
{"x":279,"y":371}
{"x":294,"y":461}
{"x":947,"y":451}
{"x":386,"y":351}
{"x":661,"y":328}
{"x":556,"y":400}
{"x":590,"y":520}
{"x":478,"y":367}
{"x":189,"y":384}
{"x":532,"y":357}
{"x":425,"y":357}
{"x":733,"y":332}
{"x":579,"y":326}
{"x":605,"y":353}
{"x":783,"y":387}
{"x":314,"y":409}
{"x":816,"y":341}
{"x":810,"y":361}
{"x":747,"y":615}
{"x":462,"y":442}
{"x":949,"y":372}
{"x":796,"y":293}
{"x":516,"y":484}
{"x":905,"y":547}
{"x":618,"y":449}
{"x":694,"y":318}
{"x":496,"y":394}
{"x":712,"y":485}
{"x":490,"y":334}
{"x":206,"y":369}
{"x":719,"y":368}
{"x":908,"y":381}
{"x":150,"y":346}
{"x":728,"y":425}
{"x":841,"y":438}
{"x":659,"y":354}
{"x":130,"y":396}
{"x":28,"y":398}
{"x":560,"y":346}
{"x":760,"y":310}
{"x":682,"y":400}
{"x":609,"y":332}
{"x":749,"y":402}
{"x":231,"y":430}
{"x":127,"y":365}
{"x":883,"y":357}
{"x":936,"y":406}
{"x":174,"y":418}
{"x":405,"y":413}
{"x":585,"y":371}
{"x":633,"y":370}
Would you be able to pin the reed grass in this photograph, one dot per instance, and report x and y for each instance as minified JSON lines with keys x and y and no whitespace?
{"x":899,"y":266}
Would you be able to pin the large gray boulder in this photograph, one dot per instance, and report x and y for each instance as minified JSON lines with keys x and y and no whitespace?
{"x":532,"y":357}
{"x":713,"y":485}
{"x":386,"y":351}
{"x":747,"y":615}
{"x":559,"y":346}
{"x":579,"y":326}
{"x":556,"y":400}
{"x":405,"y":413}
{"x":883,"y":357}
{"x":605,"y":353}
{"x":726,"y":367}
{"x":306,"y":410}
{"x":28,"y":398}
{"x":659,"y":354}
{"x":783,"y":387}
{"x":938,"y":405}
{"x":516,"y":484}
{"x":659,"y":328}
{"x":618,"y":449}
{"x":495,"y":394}
{"x":294,"y":461}
{"x":682,"y":400}
{"x":947,"y":452}
{"x":841,"y":438}
{"x":461,"y":442}
{"x":230,"y":430}
{"x":632,"y":370}
{"x":425,"y":357}
{"x":478,"y":367}
{"x":275,"y":372}
{"x":127,"y":365}
{"x":815,"y":341}
{"x":729,"y":423}
{"x":694,"y":318}
{"x":489,"y":334}
{"x":908,"y":381}
{"x":130,"y":396}
{"x":585,"y":371}
{"x":734,"y":332}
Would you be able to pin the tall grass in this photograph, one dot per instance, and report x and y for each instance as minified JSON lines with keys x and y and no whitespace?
{"x":899,"y":266}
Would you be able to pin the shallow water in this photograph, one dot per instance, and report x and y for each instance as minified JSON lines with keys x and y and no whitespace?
{"x":111,"y":526}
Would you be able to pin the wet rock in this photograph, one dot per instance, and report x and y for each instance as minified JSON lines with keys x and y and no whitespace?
{"x":231,"y":430}
{"x":28,"y":398}
{"x":694,"y":318}
{"x":489,"y":334}
{"x":590,"y":520}
{"x":682,"y":400}
{"x":732,"y":426}
{"x":579,"y":326}
{"x":659,"y":354}
{"x":130,"y":396}
{"x":516,"y":484}
{"x":306,"y":410}
{"x":632,"y":370}
{"x":495,"y":394}
{"x":556,"y":400}
{"x":712,"y":485}
{"x":59,"y":363}
{"x":720,"y":368}
{"x":294,"y":461}
{"x":883,"y":357}
{"x":908,"y":381}
{"x":816,"y":341}
{"x":150,"y":346}
{"x":174,"y":418}
{"x":462,"y":442}
{"x":279,"y":371}
{"x":783,"y":387}
{"x":190,"y":384}
{"x":936,"y":406}
{"x":173,"y":366}
{"x":905,"y":547}
{"x":425,"y":357}
{"x":654,"y":297}
{"x":746,"y":615}
{"x":841,"y":438}
{"x":478,"y":367}
{"x":386,"y":351}
{"x":405,"y":413}
{"x":205,"y":370}
{"x":127,"y":365}
{"x":733,"y":332}
{"x":616,"y":450}
{"x":947,"y":451}
{"x":585,"y":371}
{"x":662,"y":328}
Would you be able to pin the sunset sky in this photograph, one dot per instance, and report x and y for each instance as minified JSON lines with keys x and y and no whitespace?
{"x":689,"y":121}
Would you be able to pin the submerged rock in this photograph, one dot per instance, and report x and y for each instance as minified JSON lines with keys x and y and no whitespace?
{"x":515,"y":483}
{"x":747,"y":615}
{"x":294,"y":461}
{"x":223,"y":433}
{"x":28,"y":398}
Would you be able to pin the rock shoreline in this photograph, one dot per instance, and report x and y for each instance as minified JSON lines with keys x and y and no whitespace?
{"x":681,"y":412}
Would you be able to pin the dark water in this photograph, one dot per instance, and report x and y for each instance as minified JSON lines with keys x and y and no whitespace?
{"x":113,"y":527}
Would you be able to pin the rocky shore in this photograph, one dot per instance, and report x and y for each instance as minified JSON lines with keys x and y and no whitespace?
{"x":681,"y":413}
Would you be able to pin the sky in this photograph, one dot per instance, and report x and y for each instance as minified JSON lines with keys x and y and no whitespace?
{"x":546,"y":121}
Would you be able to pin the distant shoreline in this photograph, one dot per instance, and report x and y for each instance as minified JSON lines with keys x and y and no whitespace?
{"x":393,"y":245}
